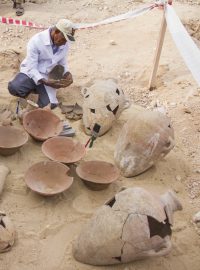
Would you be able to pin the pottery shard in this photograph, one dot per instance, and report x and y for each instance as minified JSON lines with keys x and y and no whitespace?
{"x":147,"y":137}
{"x":7,"y":233}
{"x":131,"y":225}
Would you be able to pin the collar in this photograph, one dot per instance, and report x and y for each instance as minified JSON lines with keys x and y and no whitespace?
{"x":47,"y":39}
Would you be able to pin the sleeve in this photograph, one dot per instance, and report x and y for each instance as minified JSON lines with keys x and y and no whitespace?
{"x":32,"y":61}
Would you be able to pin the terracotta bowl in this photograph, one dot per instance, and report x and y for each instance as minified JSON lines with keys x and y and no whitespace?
{"x":42,"y":124}
{"x":48,"y":178}
{"x":11,"y":139}
{"x":97,"y":175}
{"x":63,"y":149}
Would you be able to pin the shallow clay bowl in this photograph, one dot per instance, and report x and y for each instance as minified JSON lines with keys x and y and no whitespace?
{"x":97,"y":175}
{"x":48,"y":178}
{"x":11,"y":139}
{"x":42,"y":124}
{"x":63,"y":149}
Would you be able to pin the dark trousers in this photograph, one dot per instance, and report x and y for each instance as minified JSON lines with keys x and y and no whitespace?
{"x":22,"y":85}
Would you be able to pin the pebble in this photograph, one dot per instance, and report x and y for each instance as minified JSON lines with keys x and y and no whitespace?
{"x":196,"y":218}
{"x":112,"y":42}
{"x":186,"y":110}
{"x":178,"y":177}
{"x":173,"y":104}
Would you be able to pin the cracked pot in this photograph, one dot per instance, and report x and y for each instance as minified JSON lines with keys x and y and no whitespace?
{"x":132,"y":225}
{"x":103,"y":104}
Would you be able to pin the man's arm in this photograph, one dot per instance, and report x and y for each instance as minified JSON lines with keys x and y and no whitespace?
{"x":32,"y":62}
{"x":67,"y":79}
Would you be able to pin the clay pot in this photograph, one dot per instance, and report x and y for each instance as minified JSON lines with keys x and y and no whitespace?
{"x":146,"y":138}
{"x":97,"y":175}
{"x":130,"y":226}
{"x":48,"y":178}
{"x":7,"y":233}
{"x":11,"y":139}
{"x":42,"y":124}
{"x":103,"y":103}
{"x":63,"y":149}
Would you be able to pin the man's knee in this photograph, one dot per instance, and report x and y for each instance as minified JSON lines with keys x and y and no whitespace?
{"x":20,"y":86}
{"x":12,"y":88}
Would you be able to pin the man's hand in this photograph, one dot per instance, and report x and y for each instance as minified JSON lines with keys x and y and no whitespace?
{"x":52,"y":83}
{"x":64,"y":82}
{"x":67,"y":79}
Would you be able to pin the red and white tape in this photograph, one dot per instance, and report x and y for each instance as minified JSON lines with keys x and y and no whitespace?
{"x":125,"y":16}
{"x":20,"y":22}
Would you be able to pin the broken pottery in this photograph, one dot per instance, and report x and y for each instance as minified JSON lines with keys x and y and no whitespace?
{"x":103,"y":103}
{"x":7,"y":233}
{"x":133,"y":225}
{"x":4,"y":171}
{"x":11,"y":139}
{"x":29,"y":106}
{"x":48,"y":178}
{"x":96,"y":174}
{"x":56,"y":73}
{"x":42,"y":124}
{"x":147,"y":137}
{"x":63,"y":149}
{"x":6,"y":116}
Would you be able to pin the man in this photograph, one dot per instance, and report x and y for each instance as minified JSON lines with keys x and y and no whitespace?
{"x":18,"y":4}
{"x":45,"y":50}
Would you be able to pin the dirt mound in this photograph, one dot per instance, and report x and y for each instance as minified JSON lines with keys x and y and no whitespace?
{"x":193,"y":27}
{"x":9,"y":59}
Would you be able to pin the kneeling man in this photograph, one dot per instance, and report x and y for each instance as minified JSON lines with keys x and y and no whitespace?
{"x":45,"y":50}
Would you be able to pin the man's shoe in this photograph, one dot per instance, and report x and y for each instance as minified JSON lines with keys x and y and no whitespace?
{"x":19,"y":10}
{"x":53,"y":106}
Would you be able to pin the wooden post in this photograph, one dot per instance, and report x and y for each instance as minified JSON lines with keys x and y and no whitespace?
{"x":152,"y":81}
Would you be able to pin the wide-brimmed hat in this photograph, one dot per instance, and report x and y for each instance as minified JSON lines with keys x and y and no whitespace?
{"x":67,"y":28}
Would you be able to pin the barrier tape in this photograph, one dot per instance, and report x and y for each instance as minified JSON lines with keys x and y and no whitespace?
{"x":125,"y":16}
{"x":186,"y":46}
{"x":21,"y":23}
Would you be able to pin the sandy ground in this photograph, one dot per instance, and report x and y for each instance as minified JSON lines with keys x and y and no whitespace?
{"x":47,"y":226}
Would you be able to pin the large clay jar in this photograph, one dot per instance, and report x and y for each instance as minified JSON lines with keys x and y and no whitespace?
{"x":133,"y":225}
{"x":103,"y":104}
{"x":145,"y":138}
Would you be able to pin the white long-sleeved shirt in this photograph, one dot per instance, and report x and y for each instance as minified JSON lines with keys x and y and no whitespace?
{"x":40,"y":60}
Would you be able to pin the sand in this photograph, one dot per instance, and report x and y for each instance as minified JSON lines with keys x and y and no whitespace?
{"x":47,"y":227}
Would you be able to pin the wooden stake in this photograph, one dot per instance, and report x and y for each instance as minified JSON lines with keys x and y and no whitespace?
{"x":152,"y":81}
